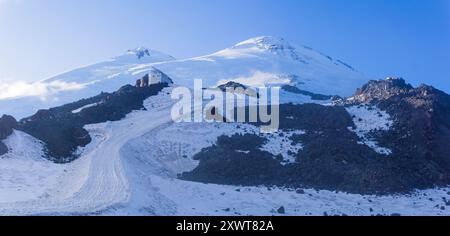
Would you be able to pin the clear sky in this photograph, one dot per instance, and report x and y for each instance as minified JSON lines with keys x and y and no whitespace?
{"x":408,"y":38}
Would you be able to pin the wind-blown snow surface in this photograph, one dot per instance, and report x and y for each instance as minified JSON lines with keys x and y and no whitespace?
{"x":130,"y":168}
{"x":261,"y":61}
{"x":21,"y":99}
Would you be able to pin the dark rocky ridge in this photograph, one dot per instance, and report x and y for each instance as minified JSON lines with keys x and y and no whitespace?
{"x":422,"y":113}
{"x":421,"y":130}
{"x":7,"y":124}
{"x":333,"y":159}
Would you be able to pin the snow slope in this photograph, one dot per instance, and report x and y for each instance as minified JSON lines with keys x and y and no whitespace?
{"x":22,"y":99}
{"x":24,"y":173}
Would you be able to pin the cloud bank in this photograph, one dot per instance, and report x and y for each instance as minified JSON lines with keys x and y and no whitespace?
{"x":18,"y":89}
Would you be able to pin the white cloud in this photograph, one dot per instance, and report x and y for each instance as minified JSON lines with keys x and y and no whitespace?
{"x":19,"y":89}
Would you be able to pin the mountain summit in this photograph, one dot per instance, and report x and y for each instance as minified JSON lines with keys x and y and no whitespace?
{"x":143,"y":54}
{"x":268,"y":43}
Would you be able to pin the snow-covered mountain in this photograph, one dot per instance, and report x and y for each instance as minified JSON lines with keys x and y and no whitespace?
{"x":267,"y":61}
{"x":383,"y":149}
{"x":24,"y":99}
{"x":255,"y":62}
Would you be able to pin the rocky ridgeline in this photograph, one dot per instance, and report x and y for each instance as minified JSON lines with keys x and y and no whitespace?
{"x":377,"y":90}
{"x":422,"y":119}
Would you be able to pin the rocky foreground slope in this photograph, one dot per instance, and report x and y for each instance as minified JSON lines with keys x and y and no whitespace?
{"x":406,"y":150}
{"x":387,"y":138}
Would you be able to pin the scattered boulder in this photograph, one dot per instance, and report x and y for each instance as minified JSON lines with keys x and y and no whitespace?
{"x":300,"y":191}
{"x":281,"y":210}
{"x":238,"y":88}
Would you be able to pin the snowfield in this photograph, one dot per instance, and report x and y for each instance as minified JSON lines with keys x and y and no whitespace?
{"x":131,"y":166}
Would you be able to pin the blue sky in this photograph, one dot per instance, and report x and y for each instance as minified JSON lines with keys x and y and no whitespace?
{"x":408,"y":38}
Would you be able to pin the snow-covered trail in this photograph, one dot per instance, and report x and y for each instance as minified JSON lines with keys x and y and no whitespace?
{"x":97,"y":180}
